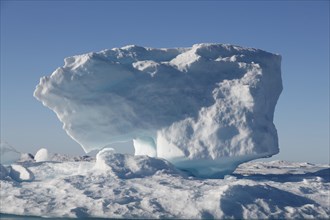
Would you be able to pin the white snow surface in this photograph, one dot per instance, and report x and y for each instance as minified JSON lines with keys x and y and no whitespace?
{"x":126,"y":186}
{"x":206,"y":108}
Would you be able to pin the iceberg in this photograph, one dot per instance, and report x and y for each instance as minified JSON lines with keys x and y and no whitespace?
{"x":41,"y":155}
{"x":206,"y":108}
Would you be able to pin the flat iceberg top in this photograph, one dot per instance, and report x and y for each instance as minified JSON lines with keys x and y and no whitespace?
{"x":210,"y":105}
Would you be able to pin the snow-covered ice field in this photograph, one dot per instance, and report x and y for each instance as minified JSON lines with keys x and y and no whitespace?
{"x":126,"y":186}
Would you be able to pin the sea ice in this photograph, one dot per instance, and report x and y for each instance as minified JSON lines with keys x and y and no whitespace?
{"x":129,"y":187}
{"x":206,"y":108}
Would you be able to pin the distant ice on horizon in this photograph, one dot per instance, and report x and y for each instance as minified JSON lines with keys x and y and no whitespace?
{"x":41,"y":155}
{"x":206,"y":108}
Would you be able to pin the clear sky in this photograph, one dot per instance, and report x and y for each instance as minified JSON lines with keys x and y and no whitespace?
{"x":37,"y":35}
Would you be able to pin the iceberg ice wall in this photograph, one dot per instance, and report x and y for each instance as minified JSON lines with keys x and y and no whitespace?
{"x":206,"y":108}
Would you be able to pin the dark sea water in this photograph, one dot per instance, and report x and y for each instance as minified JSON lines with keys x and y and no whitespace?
{"x":11,"y":217}
{"x":20,"y":217}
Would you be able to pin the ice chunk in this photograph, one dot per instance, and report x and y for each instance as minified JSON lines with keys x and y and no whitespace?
{"x":20,"y":173}
{"x":8,"y":154}
{"x":206,"y":108}
{"x":41,"y":155}
{"x":101,"y":158}
{"x":145,"y":146}
{"x":129,"y":166}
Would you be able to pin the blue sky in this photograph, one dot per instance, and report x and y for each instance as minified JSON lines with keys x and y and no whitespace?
{"x":37,"y":35}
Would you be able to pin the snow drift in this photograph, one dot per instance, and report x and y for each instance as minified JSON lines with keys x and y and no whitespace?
{"x":206,"y":108}
{"x":129,"y":187}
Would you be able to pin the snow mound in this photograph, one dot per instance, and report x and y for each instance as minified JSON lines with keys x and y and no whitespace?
{"x":206,"y":108}
{"x":127,"y":166}
{"x":8,"y":154}
{"x":41,"y":155}
{"x":20,"y":173}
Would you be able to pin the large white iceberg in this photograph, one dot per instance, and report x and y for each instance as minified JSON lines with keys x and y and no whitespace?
{"x":206,"y":108}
